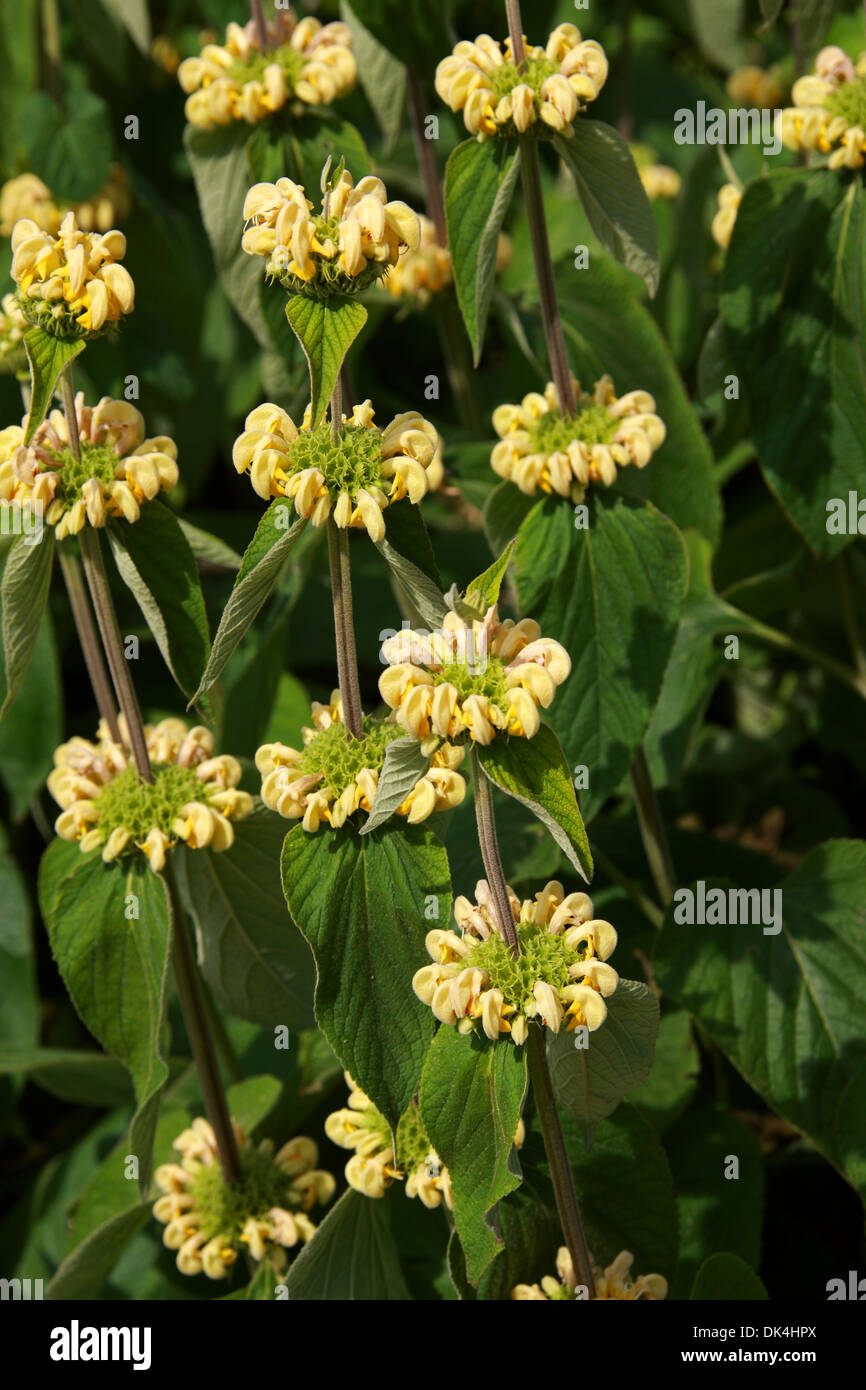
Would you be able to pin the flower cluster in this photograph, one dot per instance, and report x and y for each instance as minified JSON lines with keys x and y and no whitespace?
{"x":542,"y":97}
{"x":13,"y":326}
{"x":306,"y":63}
{"x":729,"y":201}
{"x":354,"y":477}
{"x":117,"y":471}
{"x":473,"y":678}
{"x":753,"y":86}
{"x":335,"y":775}
{"x":352,"y":242}
{"x":561,"y":972}
{"x":828,"y":114}
{"x":71,"y":284}
{"x":541,"y":447}
{"x":615,"y":1282}
{"x":423,"y":272}
{"x":26,"y":196}
{"x":374,"y":1165}
{"x":209,"y":1223}
{"x":193,"y":797}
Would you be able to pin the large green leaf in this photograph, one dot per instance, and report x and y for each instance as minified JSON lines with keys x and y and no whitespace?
{"x":69,"y":148}
{"x":365,"y":906}
{"x":263,"y":560}
{"x":155,"y":561}
{"x":726,"y":1277}
{"x":471,"y":1096}
{"x":325,"y":331}
{"x":589,"y":1082}
{"x":115,"y":966}
{"x":612,"y":595}
{"x":86,"y":1269}
{"x":251,"y":954}
{"x":82,"y":1078}
{"x":614,"y":199}
{"x":535,"y":773}
{"x":479,"y":185}
{"x":786,"y":1007}
{"x":353,"y":1257}
{"x":24,"y":596}
{"x":33,"y":727}
{"x":417,"y":34}
{"x":794,"y":308}
{"x":674,"y":1074}
{"x":48,"y":357}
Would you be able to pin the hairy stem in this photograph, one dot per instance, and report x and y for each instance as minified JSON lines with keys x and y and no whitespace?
{"x":195,"y":1017}
{"x":344,"y":628}
{"x":257,"y":11}
{"x":653,"y":834}
{"x":485,"y":819}
{"x":530,"y":172}
{"x":89,"y":639}
{"x":557,"y":1157}
{"x":515,"y":31}
{"x":426,"y":158}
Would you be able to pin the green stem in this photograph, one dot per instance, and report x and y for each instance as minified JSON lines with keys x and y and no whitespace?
{"x":51,"y":50}
{"x":195,"y":1017}
{"x":515,"y":31}
{"x":426,"y":158}
{"x":88,"y":638}
{"x":485,"y":819}
{"x":554,"y":337}
{"x":230,"y":1059}
{"x":655,"y":840}
{"x":557,"y":1157}
{"x":344,"y":628}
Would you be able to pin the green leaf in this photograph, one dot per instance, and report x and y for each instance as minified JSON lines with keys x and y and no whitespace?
{"x":785,"y":1007}
{"x":253,"y":958}
{"x":132,"y":14}
{"x":115,"y":967}
{"x":483,"y":591}
{"x":403,"y":767}
{"x":506,"y":508}
{"x":612,"y":595}
{"x":83,"y":1272}
{"x":382,"y":76}
{"x":479,"y":185}
{"x":407,"y":535}
{"x":325,"y":331}
{"x":24,"y":596}
{"x":531,"y":1233}
{"x":674,"y":1075}
{"x":208,"y":549}
{"x":794,"y":308}
{"x":260,"y":1289}
{"x":252,"y":1100}
{"x":19,"y":1009}
{"x":589,"y":1082}
{"x":154,"y":560}
{"x":726,"y":1277}
{"x":366,"y":953}
{"x":353,"y":1257}
{"x":264,"y":557}
{"x":302,"y":151}
{"x":535,"y":773}
{"x":471,"y":1096}
{"x":82,"y":1078}
{"x":33,"y":727}
{"x":614,"y":199}
{"x":424,"y":593}
{"x":70,"y":149}
{"x":419,"y":35}
{"x":48,"y":357}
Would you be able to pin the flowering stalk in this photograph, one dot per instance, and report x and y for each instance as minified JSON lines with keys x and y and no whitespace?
{"x":486,"y":822}
{"x":87,"y":636}
{"x":344,"y":628}
{"x":258,"y":13}
{"x":530,"y":173}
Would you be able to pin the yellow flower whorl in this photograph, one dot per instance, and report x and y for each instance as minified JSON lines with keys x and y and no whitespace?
{"x":828,"y":115}
{"x":71,"y":284}
{"x":615,"y":1282}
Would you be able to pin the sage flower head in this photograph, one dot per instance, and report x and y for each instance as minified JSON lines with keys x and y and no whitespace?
{"x":72,"y":285}
{"x":472,"y":680}
{"x":561,"y":977}
{"x":354,"y":478}
{"x":828,"y":111}
{"x":119,"y":470}
{"x":194,"y":796}
{"x":614,"y":1282}
{"x":541,"y":98}
{"x":307,"y":63}
{"x":542,"y":448}
{"x":264,"y":1214}
{"x":334,"y":775}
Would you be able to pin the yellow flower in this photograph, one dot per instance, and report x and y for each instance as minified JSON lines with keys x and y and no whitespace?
{"x":421,"y":273}
{"x":194,"y":796}
{"x":26,"y":196}
{"x":542,"y":448}
{"x":119,"y":468}
{"x":306,"y":64}
{"x":355,"y":479}
{"x":13,"y":326}
{"x":209,"y":1224}
{"x":544,"y":96}
{"x":335,"y":775}
{"x":472,"y":679}
{"x":752,"y":86}
{"x":730,"y":198}
{"x":828,"y":115}
{"x":614,"y":1282}
{"x":353,"y":241}
{"x":560,"y":977}
{"x":72,"y":285}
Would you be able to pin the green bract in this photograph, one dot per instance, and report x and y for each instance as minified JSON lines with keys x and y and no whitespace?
{"x":130,"y":804}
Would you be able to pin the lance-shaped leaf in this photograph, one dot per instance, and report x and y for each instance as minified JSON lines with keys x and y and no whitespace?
{"x":155,"y":561}
{"x":471,"y":1097}
{"x":24,"y":596}
{"x":479,"y":183}
{"x":389,"y":889}
{"x":83,"y":1272}
{"x":382,"y":76}
{"x":209,"y":549}
{"x":534,"y":772}
{"x":323,"y":1273}
{"x":264,"y":557}
{"x":110,"y":934}
{"x":403,"y":767}
{"x":325,"y":331}
{"x":484,"y":591}
{"x":48,"y":357}
{"x":424,"y":593}
{"x":613,"y":196}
